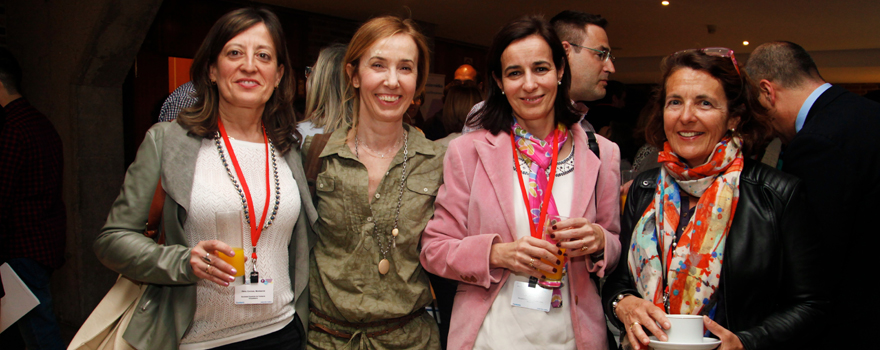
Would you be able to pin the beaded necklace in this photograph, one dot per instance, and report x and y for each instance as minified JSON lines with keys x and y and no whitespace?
{"x":384,"y":264}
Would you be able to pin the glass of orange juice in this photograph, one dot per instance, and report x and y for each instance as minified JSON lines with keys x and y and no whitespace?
{"x":553,"y":280}
{"x":229,"y":231}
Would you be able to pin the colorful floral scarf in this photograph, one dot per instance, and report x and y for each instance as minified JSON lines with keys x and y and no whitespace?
{"x":539,"y":156}
{"x":694,"y":265}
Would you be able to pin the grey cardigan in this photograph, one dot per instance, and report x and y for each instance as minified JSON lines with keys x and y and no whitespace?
{"x":166,"y":309}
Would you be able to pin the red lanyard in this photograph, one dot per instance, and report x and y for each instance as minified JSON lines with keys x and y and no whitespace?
{"x":256,"y":226}
{"x":537,"y":230}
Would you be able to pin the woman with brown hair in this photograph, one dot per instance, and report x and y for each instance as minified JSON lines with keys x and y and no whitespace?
{"x":375,"y":194}
{"x":234,"y":151}
{"x":459,"y":100}
{"x":712,"y":232}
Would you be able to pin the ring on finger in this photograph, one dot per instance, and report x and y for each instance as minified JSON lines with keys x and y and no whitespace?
{"x":532,"y":263}
{"x":584,"y":248}
{"x":633,"y":325}
{"x":207,"y":258}
{"x":208,"y":268}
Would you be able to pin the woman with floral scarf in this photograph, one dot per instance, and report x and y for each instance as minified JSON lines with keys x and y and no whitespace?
{"x":712,"y":232}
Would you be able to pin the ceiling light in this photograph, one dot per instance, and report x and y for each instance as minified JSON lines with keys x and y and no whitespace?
{"x":665,"y":3}
{"x":745,"y":43}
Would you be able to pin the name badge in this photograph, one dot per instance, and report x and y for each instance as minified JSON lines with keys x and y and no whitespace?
{"x":535,"y":298}
{"x":255,"y":293}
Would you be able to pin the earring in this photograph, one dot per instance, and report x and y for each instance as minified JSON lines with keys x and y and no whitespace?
{"x":559,"y":82}
{"x":502,"y":92}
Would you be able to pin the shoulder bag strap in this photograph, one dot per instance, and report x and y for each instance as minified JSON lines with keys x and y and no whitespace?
{"x":155,"y":216}
{"x":594,"y":146}
{"x":313,"y":159}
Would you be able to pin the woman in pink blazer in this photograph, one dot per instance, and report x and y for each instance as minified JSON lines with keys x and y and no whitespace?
{"x":487,"y":218}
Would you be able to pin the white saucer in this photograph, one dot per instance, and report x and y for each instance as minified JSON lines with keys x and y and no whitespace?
{"x":707,"y":344}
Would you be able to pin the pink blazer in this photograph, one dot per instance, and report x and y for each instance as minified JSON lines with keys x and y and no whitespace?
{"x":474,"y":209}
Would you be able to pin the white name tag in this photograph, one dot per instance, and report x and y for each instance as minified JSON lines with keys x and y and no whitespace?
{"x":535,"y":298}
{"x":255,"y":293}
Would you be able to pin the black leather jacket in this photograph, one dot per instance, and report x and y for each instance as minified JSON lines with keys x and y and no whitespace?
{"x":773,"y":275}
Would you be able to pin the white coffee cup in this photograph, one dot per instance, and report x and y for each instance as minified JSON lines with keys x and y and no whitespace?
{"x":686,"y":329}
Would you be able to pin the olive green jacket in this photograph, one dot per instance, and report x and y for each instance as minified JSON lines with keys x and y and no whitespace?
{"x":168,"y":305}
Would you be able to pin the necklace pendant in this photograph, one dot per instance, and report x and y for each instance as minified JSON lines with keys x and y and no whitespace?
{"x":384,"y":265}
{"x":394,"y":242}
{"x":395,"y":232}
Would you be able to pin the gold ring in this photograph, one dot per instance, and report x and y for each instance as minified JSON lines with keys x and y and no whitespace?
{"x":532,"y":263}
{"x":584,"y":248}
{"x":633,"y":325}
{"x":208,"y":267}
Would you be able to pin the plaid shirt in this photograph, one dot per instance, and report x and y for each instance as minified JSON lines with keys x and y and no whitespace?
{"x":32,"y":215}
{"x":182,"y":97}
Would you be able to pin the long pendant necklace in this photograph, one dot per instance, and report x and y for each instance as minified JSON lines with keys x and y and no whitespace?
{"x":384,"y":264}
{"x":245,"y":197}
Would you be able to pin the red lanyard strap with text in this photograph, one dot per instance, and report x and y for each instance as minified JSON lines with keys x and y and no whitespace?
{"x":537,"y":229}
{"x":256,"y":226}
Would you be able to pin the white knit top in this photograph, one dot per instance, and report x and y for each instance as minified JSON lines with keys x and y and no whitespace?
{"x":218,"y":321}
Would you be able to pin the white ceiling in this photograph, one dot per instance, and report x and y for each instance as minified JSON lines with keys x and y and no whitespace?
{"x":843,"y":36}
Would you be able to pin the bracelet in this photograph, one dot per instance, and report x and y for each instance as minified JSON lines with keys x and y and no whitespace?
{"x":617,"y":301}
{"x":597,"y":256}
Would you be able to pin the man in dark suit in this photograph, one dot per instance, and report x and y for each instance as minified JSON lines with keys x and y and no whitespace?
{"x":831,"y":138}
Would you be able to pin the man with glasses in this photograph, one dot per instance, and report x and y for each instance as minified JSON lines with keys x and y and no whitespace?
{"x":589,"y":59}
{"x":831,"y":145}
{"x":589,"y":55}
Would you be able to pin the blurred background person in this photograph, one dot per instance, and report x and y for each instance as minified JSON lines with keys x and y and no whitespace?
{"x":326,"y":107}
{"x":375,"y":194}
{"x":243,"y":119}
{"x":182,"y":98}
{"x":487,"y":229}
{"x":33,"y":220}
{"x":457,"y":103}
{"x":713,"y":232}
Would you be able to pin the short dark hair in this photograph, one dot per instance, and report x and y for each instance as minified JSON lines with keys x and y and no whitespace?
{"x":10,"y":71}
{"x":497,"y":114}
{"x":278,"y":117}
{"x":742,"y":99}
{"x":569,"y":25}
{"x":782,"y":62}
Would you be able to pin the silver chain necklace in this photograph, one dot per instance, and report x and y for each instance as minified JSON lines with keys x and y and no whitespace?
{"x":244,"y":206}
{"x":384,"y":264}
{"x":368,"y":149}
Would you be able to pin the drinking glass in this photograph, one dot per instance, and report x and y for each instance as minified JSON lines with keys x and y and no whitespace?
{"x":553,"y":279}
{"x":229,"y":231}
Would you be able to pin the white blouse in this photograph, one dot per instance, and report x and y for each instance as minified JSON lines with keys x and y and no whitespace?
{"x":511,"y":327}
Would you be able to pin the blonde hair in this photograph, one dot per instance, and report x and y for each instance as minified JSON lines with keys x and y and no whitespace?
{"x":326,"y":106}
{"x":367,"y":35}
